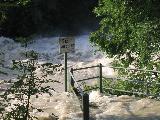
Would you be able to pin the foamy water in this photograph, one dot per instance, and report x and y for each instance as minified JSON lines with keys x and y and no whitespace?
{"x":48,"y":50}
{"x":65,"y":105}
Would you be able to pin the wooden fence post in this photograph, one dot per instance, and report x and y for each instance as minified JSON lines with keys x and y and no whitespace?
{"x":100,"y":78}
{"x":72,"y":81}
{"x":85,"y":105}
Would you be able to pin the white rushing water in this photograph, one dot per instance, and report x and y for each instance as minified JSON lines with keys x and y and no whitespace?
{"x":65,"y":105}
{"x":48,"y":50}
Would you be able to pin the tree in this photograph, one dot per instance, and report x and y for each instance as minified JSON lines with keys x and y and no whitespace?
{"x":5,"y":5}
{"x":130,"y":32}
{"x":27,"y":85}
{"x":47,"y":17}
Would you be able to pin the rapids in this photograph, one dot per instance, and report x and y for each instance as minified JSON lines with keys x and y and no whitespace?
{"x":64,"y":104}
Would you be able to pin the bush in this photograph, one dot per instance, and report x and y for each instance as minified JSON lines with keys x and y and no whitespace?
{"x":27,"y":85}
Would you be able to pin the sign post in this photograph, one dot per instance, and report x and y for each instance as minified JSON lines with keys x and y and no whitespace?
{"x":67,"y":44}
{"x":65,"y":65}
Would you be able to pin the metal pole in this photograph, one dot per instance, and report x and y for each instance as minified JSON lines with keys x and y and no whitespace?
{"x":100,"y":78}
{"x":72,"y":81}
{"x":65,"y":67}
{"x":147,"y":88}
{"x":85,"y":103}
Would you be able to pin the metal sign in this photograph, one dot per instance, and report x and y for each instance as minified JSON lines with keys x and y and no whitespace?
{"x":67,"y":44}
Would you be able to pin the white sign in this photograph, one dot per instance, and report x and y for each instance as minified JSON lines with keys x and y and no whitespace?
{"x":67,"y":44}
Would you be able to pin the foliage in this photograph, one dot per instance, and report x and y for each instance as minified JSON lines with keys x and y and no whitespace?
{"x":88,"y":88}
{"x":129,"y":31}
{"x":6,"y":8}
{"x":27,"y":85}
{"x":133,"y":82}
{"x":47,"y":16}
{"x":5,"y":4}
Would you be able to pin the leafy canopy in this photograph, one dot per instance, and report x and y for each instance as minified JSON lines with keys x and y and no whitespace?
{"x":129,"y":31}
{"x":6,"y":4}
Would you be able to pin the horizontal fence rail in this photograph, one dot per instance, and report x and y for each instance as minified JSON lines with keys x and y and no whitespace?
{"x":75,"y":69}
{"x":125,"y":79}
{"x":87,"y":79}
{"x":154,"y":71}
{"x":147,"y":82}
{"x":124,"y":91}
{"x":130,"y":80}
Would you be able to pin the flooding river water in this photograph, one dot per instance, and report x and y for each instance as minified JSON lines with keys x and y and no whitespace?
{"x":65,"y":105}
